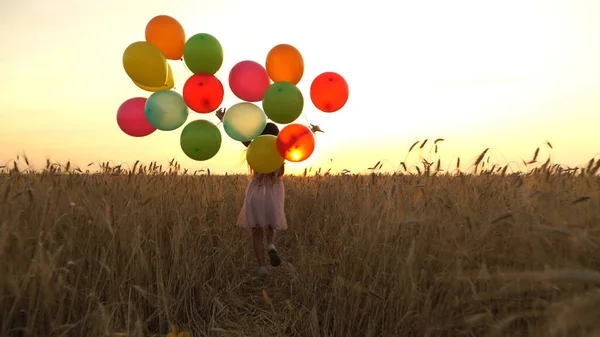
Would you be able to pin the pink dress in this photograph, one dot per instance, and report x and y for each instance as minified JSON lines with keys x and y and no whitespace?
{"x":264,"y":203}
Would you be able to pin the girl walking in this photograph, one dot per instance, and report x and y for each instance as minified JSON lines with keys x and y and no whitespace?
{"x":263,"y":212}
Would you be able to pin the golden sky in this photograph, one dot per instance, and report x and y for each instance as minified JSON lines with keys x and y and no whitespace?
{"x":506,"y":74}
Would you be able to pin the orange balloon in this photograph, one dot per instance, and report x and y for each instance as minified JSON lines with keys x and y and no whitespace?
{"x":285,"y":63}
{"x":167,"y":34}
{"x":295,"y":142}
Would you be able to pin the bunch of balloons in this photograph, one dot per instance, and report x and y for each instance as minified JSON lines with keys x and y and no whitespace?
{"x":274,"y":85}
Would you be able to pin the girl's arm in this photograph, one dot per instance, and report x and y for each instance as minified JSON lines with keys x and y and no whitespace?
{"x":220,"y":113}
{"x":281,"y":170}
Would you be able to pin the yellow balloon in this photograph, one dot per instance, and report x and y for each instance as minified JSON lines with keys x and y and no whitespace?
{"x":145,"y":64}
{"x":262,"y":154}
{"x":167,"y":86}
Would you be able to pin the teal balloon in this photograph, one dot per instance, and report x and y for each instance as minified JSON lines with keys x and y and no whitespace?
{"x":166,"y":110}
{"x":203,"y":53}
{"x":200,"y":140}
{"x":283,"y":102}
{"x":244,"y":121}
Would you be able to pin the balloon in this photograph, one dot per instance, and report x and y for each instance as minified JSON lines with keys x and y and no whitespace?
{"x":166,"y":110}
{"x":285,"y":63}
{"x":131,"y":118}
{"x":295,"y":142}
{"x":200,"y":140}
{"x":169,"y":85}
{"x":262,"y":154}
{"x":270,"y":129}
{"x":145,"y":64}
{"x":329,"y":92}
{"x":167,"y":34}
{"x":203,"y":54}
{"x":248,"y":81}
{"x":283,"y":102}
{"x":244,"y":121}
{"x":203,"y":93}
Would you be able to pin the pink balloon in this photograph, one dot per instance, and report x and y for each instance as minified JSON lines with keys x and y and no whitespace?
{"x":248,"y":80}
{"x":132,"y":118}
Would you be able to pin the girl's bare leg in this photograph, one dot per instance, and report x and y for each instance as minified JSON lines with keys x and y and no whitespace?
{"x":273,"y":256}
{"x":270,"y":236}
{"x":259,"y":248}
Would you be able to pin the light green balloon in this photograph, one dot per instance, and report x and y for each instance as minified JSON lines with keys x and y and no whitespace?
{"x":244,"y":121}
{"x":283,"y":102}
{"x":200,"y":140}
{"x":166,"y":110}
{"x":203,"y":53}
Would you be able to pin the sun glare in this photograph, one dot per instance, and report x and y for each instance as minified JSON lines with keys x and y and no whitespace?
{"x":296,"y":155}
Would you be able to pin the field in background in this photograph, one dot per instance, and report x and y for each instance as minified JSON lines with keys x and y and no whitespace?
{"x":417,"y":253}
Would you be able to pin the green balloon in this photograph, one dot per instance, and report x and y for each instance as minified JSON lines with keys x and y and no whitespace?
{"x":283,"y":102}
{"x":200,"y":140}
{"x":203,"y":53}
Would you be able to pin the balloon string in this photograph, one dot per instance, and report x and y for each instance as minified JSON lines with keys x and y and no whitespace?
{"x":313,"y":128}
{"x":306,"y":118}
{"x":185,"y":66}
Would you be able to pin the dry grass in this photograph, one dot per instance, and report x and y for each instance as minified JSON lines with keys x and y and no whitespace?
{"x":423,"y":253}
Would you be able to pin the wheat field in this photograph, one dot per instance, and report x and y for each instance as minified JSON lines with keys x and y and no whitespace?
{"x":134,"y":251}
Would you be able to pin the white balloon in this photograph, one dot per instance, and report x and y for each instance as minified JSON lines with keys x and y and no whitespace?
{"x":244,"y":121}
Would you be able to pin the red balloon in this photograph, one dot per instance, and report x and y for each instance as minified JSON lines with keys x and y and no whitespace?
{"x":131,"y":118}
{"x":203,"y":93}
{"x":248,"y":80}
{"x":329,"y":92}
{"x":295,"y":142}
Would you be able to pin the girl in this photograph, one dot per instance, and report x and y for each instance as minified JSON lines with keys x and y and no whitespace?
{"x":263,"y":209}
